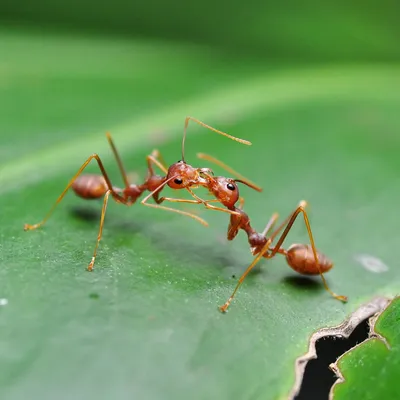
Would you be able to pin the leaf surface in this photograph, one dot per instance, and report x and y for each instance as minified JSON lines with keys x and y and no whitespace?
{"x":145,"y":323}
{"x":371,"y":370}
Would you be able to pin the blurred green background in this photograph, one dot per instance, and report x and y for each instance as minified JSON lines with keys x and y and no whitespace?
{"x":272,"y":30}
{"x":315,"y":86}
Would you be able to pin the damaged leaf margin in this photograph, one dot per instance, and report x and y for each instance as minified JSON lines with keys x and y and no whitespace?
{"x":344,"y":330}
{"x":373,"y":335}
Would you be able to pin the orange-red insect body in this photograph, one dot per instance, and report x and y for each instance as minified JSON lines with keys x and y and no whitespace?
{"x":301,"y":258}
{"x":304,"y":259}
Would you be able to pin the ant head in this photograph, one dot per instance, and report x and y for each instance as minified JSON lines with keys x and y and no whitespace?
{"x":226,"y":190}
{"x":185,"y":175}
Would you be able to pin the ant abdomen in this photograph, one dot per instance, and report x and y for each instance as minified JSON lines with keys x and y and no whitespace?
{"x":301,"y":258}
{"x":90,"y":186}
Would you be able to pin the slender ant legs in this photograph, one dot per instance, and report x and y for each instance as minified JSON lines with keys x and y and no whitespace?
{"x":268,"y":252}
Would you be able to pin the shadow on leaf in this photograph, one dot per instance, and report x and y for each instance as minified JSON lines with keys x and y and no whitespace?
{"x":303,"y":282}
{"x":179,"y":245}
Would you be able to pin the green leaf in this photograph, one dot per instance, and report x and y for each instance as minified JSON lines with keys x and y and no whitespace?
{"x":145,"y":323}
{"x":371,"y":370}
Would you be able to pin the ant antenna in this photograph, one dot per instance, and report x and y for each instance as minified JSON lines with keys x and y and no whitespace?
{"x":249,"y":184}
{"x":212,"y":129}
{"x":221,"y":164}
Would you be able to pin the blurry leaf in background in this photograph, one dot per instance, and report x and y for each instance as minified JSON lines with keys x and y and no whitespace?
{"x":306,"y":31}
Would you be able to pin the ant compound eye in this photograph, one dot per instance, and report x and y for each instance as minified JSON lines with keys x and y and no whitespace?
{"x":178,"y":181}
{"x":230,"y":186}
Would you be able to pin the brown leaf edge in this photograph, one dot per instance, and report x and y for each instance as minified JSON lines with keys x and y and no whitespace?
{"x":372,"y":335}
{"x":344,"y":330}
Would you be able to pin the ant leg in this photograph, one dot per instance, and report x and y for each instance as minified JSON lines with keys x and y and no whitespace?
{"x":277,"y":247}
{"x":157,"y":154}
{"x":207,"y":205}
{"x":116,"y":196}
{"x":283,"y":224}
{"x":175,"y":200}
{"x":118,"y":158}
{"x":157,"y":190}
{"x":187,"y":119}
{"x":103,"y":214}
{"x":265,"y":248}
{"x":270,"y":224}
{"x":241,"y":178}
{"x":156,"y":159}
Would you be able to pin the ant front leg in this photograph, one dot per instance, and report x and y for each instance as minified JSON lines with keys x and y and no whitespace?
{"x":298,"y":256}
{"x":155,"y":193}
{"x":210,"y":207}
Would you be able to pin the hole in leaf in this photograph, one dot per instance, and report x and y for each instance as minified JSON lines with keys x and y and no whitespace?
{"x":318,"y":378}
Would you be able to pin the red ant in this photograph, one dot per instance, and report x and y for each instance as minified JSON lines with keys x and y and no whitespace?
{"x":179,"y":175}
{"x":305,"y":259}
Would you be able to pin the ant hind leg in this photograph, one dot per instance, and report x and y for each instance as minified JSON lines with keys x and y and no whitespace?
{"x":70,"y":183}
{"x":289,"y":223}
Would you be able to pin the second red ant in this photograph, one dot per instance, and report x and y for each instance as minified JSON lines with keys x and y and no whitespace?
{"x":304,"y":259}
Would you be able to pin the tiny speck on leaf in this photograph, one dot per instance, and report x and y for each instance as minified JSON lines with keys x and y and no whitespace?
{"x":3,"y":302}
{"x":94,"y":296}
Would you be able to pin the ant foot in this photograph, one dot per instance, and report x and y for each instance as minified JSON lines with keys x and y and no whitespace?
{"x":224,"y":308}
{"x":90,"y":266}
{"x":28,"y":227}
{"x":342,"y":298}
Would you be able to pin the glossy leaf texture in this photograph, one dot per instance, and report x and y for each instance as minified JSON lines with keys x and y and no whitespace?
{"x":371,"y":370}
{"x":144,"y":323}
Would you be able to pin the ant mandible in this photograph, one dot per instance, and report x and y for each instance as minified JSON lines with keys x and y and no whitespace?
{"x":304,"y":259}
{"x":179,"y":175}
